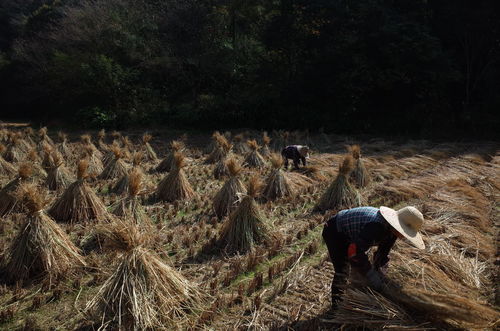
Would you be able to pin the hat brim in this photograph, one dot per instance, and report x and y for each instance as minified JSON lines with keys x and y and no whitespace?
{"x":391,"y":216}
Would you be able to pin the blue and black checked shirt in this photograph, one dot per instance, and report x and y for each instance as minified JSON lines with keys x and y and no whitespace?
{"x":366,"y":227}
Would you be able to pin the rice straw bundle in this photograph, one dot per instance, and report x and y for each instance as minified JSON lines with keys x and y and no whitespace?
{"x":95,"y":166}
{"x":340,"y":194}
{"x":266,"y":141}
{"x":168,"y":162}
{"x":130,"y":207}
{"x":63,"y":147}
{"x":122,"y":185}
{"x":372,"y":310}
{"x":47,"y":158}
{"x":79,"y":202}
{"x":220,"y":169}
{"x":14,"y":152}
{"x":103,"y":147}
{"x":44,"y":138}
{"x":253,"y":159}
{"x":144,"y":293}
{"x":29,"y":136}
{"x":220,"y":151}
{"x":239,"y":144}
{"x":149,"y":151}
{"x":213,"y":143}
{"x":88,"y":144}
{"x":6,"y":168}
{"x":41,"y":248}
{"x":8,"y":200}
{"x":110,"y":156}
{"x":34,"y":159}
{"x":245,"y":226}
{"x":277,"y":184}
{"x":175,"y":185}
{"x":117,"y":136}
{"x":128,"y":146}
{"x":58,"y":177}
{"x":227,"y":198}
{"x":116,"y":168}
{"x":359,"y":175}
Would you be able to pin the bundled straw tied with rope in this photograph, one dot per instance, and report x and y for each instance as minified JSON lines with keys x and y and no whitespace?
{"x":340,"y":194}
{"x":79,"y":203}
{"x":175,"y":186}
{"x":130,"y":207}
{"x":116,"y":168}
{"x":359,"y":175}
{"x":245,"y":227}
{"x":58,"y":177}
{"x":149,"y":152}
{"x":8,"y":200}
{"x":253,"y":159}
{"x":277,"y":183}
{"x":122,"y":185}
{"x":41,"y":247}
{"x":143,"y":292}
{"x":168,"y":162}
{"x":227,"y":198}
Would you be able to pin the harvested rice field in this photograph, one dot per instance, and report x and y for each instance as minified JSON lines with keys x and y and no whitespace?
{"x":190,"y":231}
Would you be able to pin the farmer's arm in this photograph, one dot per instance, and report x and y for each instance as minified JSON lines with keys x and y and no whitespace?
{"x":369,"y":235}
{"x":381,"y":256}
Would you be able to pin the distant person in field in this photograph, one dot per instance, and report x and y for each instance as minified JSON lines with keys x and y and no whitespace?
{"x":351,"y":232}
{"x":297,"y":153}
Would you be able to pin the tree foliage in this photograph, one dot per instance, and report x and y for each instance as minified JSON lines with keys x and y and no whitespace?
{"x":367,"y":66}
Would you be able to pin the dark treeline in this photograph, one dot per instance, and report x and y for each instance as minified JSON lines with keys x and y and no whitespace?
{"x":365,"y":66}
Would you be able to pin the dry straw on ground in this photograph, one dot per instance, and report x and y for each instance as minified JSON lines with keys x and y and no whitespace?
{"x":175,"y":186}
{"x":143,"y":293}
{"x":8,"y":200}
{"x":277,"y":183}
{"x":340,"y":194}
{"x":227,"y":198}
{"x":58,"y":177}
{"x":253,"y":158}
{"x":79,"y":202}
{"x":168,"y":162}
{"x":245,"y":227}
{"x":359,"y":175}
{"x":41,"y":247}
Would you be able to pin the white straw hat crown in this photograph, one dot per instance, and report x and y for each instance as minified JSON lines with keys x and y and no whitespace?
{"x":408,"y":221}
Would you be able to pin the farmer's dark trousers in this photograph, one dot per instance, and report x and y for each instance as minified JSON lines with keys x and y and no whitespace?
{"x":337,"y":244}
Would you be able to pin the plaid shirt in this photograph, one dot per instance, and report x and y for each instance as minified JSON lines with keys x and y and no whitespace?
{"x":352,"y":221}
{"x":366,"y":227}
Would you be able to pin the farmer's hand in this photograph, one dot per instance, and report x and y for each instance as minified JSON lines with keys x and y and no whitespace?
{"x":375,"y":279}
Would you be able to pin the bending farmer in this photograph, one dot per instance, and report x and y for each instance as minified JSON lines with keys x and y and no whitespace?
{"x":350,"y":233}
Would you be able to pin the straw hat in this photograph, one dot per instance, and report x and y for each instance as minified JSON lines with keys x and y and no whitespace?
{"x":407,"y":221}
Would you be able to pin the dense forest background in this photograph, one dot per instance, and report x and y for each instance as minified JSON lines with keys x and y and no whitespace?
{"x":410,"y":67}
